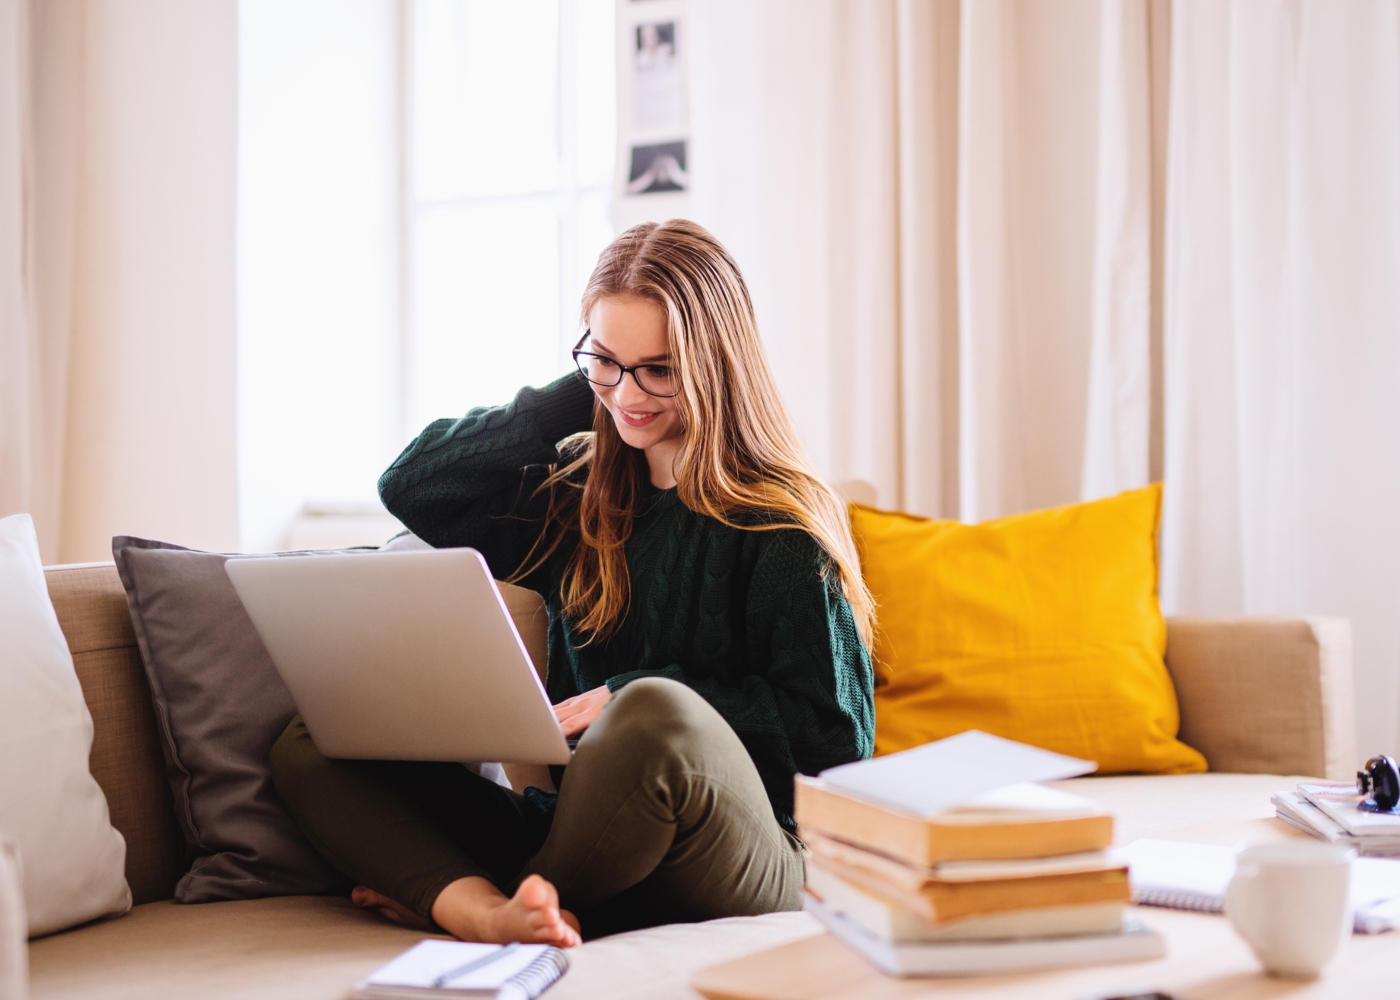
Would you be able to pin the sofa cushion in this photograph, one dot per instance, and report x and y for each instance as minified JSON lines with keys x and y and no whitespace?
{"x":1042,"y":627}
{"x":220,"y":706}
{"x":50,"y":806}
{"x":288,"y":946}
{"x":318,"y":948}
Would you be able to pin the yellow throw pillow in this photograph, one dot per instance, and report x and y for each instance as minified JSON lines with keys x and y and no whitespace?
{"x":1042,"y":627}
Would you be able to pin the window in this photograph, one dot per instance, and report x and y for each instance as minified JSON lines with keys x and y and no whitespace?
{"x":510,"y":167}
{"x":424,"y":186}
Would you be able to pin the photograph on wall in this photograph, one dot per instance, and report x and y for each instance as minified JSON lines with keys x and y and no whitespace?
{"x":658,"y":78}
{"x":657,"y":168}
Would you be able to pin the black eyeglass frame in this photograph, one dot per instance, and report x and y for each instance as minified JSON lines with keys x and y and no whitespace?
{"x":624,"y":369}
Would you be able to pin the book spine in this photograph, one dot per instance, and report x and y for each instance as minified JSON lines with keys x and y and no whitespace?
{"x":1299,"y":824}
{"x":923,"y":843}
{"x":898,"y":835}
{"x":956,"y":958}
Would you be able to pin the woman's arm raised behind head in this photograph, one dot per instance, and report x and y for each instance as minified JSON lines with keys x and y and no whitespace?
{"x":472,"y":481}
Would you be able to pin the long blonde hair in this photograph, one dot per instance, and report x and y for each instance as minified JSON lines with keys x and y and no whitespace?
{"x":739,"y":457}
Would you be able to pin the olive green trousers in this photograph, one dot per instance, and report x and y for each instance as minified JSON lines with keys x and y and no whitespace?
{"x":661,"y":818}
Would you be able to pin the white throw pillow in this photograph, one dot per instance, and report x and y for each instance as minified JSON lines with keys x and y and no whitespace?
{"x":50,"y":806}
{"x":14,"y":928}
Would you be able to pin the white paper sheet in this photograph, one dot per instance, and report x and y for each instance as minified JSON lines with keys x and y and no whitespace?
{"x":936,"y":776}
{"x":1161,"y":870}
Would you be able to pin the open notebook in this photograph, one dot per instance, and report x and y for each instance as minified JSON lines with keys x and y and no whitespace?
{"x":1184,"y":876}
{"x":459,"y":969}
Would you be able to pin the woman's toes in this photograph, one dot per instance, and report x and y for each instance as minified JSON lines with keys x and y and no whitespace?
{"x":533,"y":915}
{"x":535,"y":893}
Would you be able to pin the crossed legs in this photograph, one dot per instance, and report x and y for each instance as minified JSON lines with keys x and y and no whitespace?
{"x":661,"y":817}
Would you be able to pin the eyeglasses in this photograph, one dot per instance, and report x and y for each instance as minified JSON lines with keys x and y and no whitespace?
{"x":654,"y":380}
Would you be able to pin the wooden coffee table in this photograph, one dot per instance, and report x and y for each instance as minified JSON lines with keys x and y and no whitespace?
{"x":1206,"y":960}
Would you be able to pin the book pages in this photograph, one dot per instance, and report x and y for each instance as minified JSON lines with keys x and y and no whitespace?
{"x":930,"y":779}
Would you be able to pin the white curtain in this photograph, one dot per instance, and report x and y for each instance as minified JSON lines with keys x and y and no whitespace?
{"x":1126,"y":329}
{"x":1055,"y":252}
{"x":117,"y":164}
{"x":794,"y":125}
{"x":1283,"y":323}
{"x":945,"y":211}
{"x":1014,"y":253}
{"x":21,"y":483}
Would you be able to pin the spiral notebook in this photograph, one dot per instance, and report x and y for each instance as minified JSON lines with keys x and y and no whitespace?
{"x":1185,"y":876}
{"x":1178,"y":875}
{"x":433,"y":968}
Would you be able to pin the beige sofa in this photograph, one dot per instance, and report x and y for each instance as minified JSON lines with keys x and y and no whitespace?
{"x":1260,"y":697}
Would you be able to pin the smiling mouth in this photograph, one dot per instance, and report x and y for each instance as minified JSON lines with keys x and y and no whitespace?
{"x":637,"y":418}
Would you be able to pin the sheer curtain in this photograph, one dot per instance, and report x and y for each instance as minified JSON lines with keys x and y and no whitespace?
{"x":915,"y":189}
{"x":23,"y":481}
{"x":1283,"y":324}
{"x":1014,"y":253}
{"x":1056,"y":250}
{"x":40,"y":97}
{"x":795,"y":126}
{"x":117,"y":128}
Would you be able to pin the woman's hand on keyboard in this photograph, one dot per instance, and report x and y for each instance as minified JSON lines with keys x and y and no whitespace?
{"x":579,"y":712}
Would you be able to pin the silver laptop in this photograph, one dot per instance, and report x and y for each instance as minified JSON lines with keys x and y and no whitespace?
{"x":401,"y":656}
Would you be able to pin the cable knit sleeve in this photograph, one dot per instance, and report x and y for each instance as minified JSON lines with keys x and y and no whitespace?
{"x":808,"y":703}
{"x":471,"y":481}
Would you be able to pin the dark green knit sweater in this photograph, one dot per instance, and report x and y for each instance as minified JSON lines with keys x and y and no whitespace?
{"x":748,"y":619}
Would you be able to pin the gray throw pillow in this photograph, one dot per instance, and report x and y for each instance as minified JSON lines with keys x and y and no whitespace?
{"x":220,"y":706}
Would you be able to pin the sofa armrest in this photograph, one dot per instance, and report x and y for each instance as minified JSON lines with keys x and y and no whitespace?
{"x":1269,"y":695}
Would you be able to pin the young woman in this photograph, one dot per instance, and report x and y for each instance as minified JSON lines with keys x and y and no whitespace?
{"x":708,"y":630}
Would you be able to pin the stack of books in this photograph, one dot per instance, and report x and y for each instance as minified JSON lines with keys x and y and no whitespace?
{"x":1333,"y":812}
{"x":1015,"y":878}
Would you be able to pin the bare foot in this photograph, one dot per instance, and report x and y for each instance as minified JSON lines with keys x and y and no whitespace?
{"x":475,"y":910}
{"x":390,"y":909}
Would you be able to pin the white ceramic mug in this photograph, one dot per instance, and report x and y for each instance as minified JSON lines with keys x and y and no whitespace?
{"x":1290,"y":901}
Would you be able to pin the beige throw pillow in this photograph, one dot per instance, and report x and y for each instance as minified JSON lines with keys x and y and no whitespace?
{"x":50,"y":806}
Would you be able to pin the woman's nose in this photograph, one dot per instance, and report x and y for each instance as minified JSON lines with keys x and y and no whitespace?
{"x":628,"y":391}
